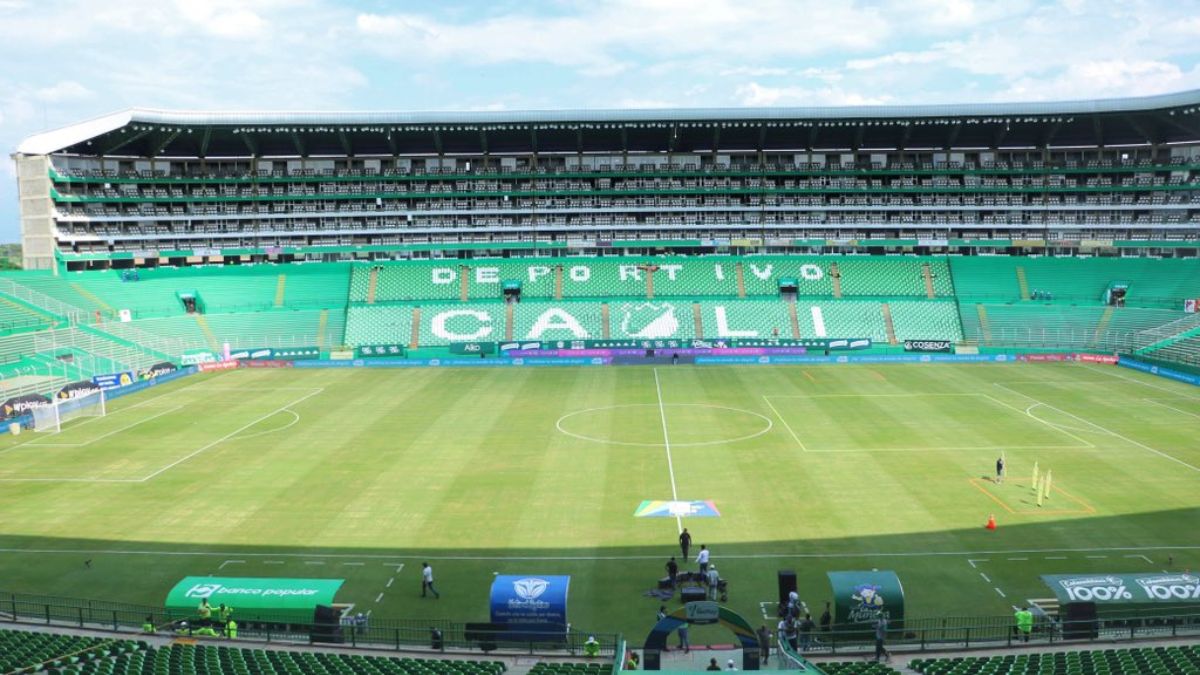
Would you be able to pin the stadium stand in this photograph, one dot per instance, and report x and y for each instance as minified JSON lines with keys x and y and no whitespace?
{"x":589,"y":316}
{"x":1153,"y":282}
{"x":1174,"y":660}
{"x":857,"y":668}
{"x":749,"y":318}
{"x":1054,"y":325}
{"x":378,"y":325}
{"x":23,"y":651}
{"x":545,"y":668}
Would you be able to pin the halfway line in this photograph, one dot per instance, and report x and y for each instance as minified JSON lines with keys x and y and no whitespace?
{"x":662,"y":414}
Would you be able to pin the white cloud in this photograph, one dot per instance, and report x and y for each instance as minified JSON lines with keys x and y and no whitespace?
{"x":755,"y":94}
{"x":896,"y":59}
{"x":1111,"y":78}
{"x":67,"y":90}
{"x":602,"y":37}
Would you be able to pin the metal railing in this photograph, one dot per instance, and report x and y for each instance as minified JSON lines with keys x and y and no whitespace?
{"x":435,"y":635}
{"x":55,"y":306}
{"x":996,"y":632}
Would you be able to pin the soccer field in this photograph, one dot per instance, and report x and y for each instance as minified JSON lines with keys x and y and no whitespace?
{"x":362,"y":474}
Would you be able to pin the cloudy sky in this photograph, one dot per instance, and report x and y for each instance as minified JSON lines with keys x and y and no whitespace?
{"x":67,"y":60}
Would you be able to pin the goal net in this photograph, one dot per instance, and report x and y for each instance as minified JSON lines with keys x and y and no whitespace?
{"x":52,"y":417}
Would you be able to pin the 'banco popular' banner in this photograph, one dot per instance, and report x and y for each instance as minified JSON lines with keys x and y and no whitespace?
{"x":267,"y":599}
{"x":529,"y":599}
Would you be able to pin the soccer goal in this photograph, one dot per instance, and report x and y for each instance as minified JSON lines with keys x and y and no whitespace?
{"x":51,"y":417}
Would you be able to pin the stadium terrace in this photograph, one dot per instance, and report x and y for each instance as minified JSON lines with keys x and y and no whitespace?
{"x":565,"y":385}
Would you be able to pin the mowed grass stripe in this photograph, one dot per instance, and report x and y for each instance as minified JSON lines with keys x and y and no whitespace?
{"x":466,"y":467}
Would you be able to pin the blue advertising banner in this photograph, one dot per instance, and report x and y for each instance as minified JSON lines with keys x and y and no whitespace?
{"x":1160,"y":371}
{"x":880,"y":358}
{"x":529,"y":599}
{"x":114,"y":380}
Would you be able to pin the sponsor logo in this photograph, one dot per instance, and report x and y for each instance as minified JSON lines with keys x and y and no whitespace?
{"x":649,"y":320}
{"x":702,"y":611}
{"x":19,"y":405}
{"x":926,"y":345}
{"x":1089,"y":589}
{"x":866,"y":603}
{"x":528,"y":592}
{"x":209,"y":590}
{"x":1171,"y":587}
{"x":77,"y":390}
{"x":196,"y":358}
{"x":202,"y":590}
{"x":218,"y":365}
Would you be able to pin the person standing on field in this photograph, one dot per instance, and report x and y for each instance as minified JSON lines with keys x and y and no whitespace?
{"x":685,"y":543}
{"x":1000,"y":469}
{"x":427,"y":581}
{"x":702,"y":559}
{"x":764,"y":644}
{"x":672,"y":570}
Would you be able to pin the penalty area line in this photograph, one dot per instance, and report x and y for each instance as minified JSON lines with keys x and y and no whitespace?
{"x":1105,"y":430}
{"x":231,"y":434}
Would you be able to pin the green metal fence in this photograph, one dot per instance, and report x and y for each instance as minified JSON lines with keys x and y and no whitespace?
{"x":374,"y":633}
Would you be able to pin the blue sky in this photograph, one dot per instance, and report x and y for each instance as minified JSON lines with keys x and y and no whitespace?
{"x":67,"y":60}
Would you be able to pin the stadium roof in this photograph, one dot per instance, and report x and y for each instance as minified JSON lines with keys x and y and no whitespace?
{"x":162,"y":133}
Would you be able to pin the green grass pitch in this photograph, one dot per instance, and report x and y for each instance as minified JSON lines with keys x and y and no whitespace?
{"x":362,"y":474}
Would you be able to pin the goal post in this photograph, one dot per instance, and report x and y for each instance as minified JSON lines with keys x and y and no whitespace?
{"x":50,"y":418}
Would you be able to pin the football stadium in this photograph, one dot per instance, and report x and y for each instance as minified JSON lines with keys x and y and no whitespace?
{"x":443,"y":392}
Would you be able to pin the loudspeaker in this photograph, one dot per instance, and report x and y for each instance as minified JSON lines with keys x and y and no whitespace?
{"x":327,"y":625}
{"x":1080,"y":621}
{"x":787,"y":585}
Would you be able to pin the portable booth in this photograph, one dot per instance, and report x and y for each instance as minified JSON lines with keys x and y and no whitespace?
{"x":1089,"y":602}
{"x":860,"y":598}
{"x":264,"y":603}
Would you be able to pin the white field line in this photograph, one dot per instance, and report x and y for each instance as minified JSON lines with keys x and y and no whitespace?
{"x":1000,"y":592}
{"x":354,"y":564}
{"x":115,"y":412}
{"x":233,"y":433}
{"x":1114,"y":434}
{"x":231,"y":562}
{"x":1139,"y":555}
{"x":379,"y":597}
{"x":256,"y":389}
{"x":943,"y":448}
{"x":985,"y":577}
{"x":295,"y":419}
{"x":1164,"y":405}
{"x":662,"y":414}
{"x":1178,"y":392}
{"x":785,"y":423}
{"x":905,"y":395}
{"x":103,"y":436}
{"x":390,"y":582}
{"x":733,"y":556}
{"x":1086,"y":443}
{"x":972,"y":561}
